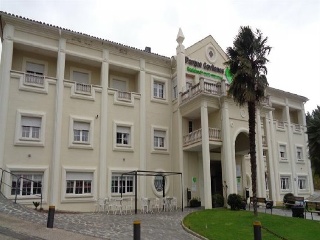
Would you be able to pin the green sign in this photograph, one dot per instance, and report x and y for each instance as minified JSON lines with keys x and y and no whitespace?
{"x":207,"y":74}
{"x":228,"y":75}
{"x":194,"y":179}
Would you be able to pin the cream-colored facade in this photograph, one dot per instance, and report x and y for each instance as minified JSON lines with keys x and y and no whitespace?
{"x":78,"y":111}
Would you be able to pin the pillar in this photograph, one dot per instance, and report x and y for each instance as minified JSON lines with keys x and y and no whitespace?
{"x":261,"y":191}
{"x":6,"y":62}
{"x":206,"y":156}
{"x":54,"y":185}
{"x":104,"y":125}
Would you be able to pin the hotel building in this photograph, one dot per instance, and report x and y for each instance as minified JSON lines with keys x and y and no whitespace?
{"x":78,"y":111}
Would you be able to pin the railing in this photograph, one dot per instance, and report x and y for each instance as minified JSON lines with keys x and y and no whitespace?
{"x":124,"y":96}
{"x":83,"y":88}
{"x":297,"y":127}
{"x":280,"y":124}
{"x":196,"y":136}
{"x":202,"y":87}
{"x":266,"y":101}
{"x":33,"y":79}
{"x":16,"y":190}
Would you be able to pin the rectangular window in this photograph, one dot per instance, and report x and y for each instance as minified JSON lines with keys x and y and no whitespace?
{"x":123,"y":135}
{"x":81,"y":132}
{"x":120,"y":85}
{"x":283,"y":154}
{"x":124,"y":184}
{"x":26,"y":184}
{"x":299,"y":154}
{"x":302,"y":183}
{"x":158,"y":90}
{"x":81,"y":77}
{"x":30,"y":127}
{"x":79,"y":183}
{"x":284,"y":183}
{"x":35,"y":68}
{"x":159,"y":138}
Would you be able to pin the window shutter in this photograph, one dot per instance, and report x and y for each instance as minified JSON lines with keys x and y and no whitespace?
{"x":79,"y":176}
{"x":119,"y":85}
{"x":81,"y":126}
{"x":121,"y":129}
{"x":31,"y":121}
{"x":34,"y":67}
{"x":159,"y":133}
{"x":80,"y":77}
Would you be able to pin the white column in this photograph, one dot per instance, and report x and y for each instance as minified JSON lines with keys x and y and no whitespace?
{"x":270,"y":159}
{"x":227,"y":157}
{"x":261,"y":191}
{"x":54,"y":185}
{"x":6,"y":61}
{"x":206,"y":156}
{"x":291,"y":153}
{"x":143,"y":135}
{"x":275,"y":156}
{"x":104,"y":125}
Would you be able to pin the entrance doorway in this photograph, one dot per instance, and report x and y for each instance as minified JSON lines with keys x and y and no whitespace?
{"x":216,"y":177}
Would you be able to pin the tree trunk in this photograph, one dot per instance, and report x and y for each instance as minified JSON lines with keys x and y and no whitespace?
{"x":253,"y":157}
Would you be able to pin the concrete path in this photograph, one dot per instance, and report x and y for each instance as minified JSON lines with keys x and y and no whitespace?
{"x":31,"y":224}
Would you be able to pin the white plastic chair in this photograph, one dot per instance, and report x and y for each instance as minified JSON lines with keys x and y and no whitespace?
{"x":174,"y":203}
{"x":156,"y":205}
{"x":100,"y":205}
{"x":127,"y":205}
{"x":144,"y":205}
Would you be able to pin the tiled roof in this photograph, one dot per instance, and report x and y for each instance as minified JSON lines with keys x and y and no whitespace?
{"x":83,"y":34}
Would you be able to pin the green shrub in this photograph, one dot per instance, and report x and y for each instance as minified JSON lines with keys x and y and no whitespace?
{"x":235,"y":201}
{"x":217,"y":200}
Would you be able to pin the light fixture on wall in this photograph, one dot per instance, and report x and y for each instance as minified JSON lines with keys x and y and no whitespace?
{"x":97,"y":116}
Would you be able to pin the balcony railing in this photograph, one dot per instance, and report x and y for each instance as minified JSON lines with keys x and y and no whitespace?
{"x":34,"y":80}
{"x":196,"y":136}
{"x":213,"y":88}
{"x":124,"y":96}
{"x":83,"y":88}
{"x":297,"y":128}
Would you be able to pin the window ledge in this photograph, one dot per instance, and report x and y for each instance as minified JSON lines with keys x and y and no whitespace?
{"x":300,"y":162}
{"x":30,"y":143}
{"x":123,"y":149}
{"x":81,"y":146}
{"x":160,"y":151}
{"x":284,"y":160}
{"x":160,"y":100}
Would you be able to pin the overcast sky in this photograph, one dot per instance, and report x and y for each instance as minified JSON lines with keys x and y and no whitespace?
{"x":292,"y":28}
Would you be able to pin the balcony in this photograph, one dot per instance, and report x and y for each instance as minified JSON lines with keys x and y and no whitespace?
{"x":82,"y":88}
{"x":124,"y":96}
{"x":34,"y":80}
{"x":212,"y":88}
{"x":196,"y":136}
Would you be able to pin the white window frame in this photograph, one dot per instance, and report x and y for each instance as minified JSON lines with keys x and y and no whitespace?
{"x":19,"y":140}
{"x":27,"y":175}
{"x":285,"y":157}
{"x":35,"y":61}
{"x":165,"y":82}
{"x":123,"y":147}
{"x":81,"y":144}
{"x":80,"y":70}
{"x":305,"y":178}
{"x":289,"y":182}
{"x":116,"y":176}
{"x":299,"y":149}
{"x":76,"y":178}
{"x":40,"y":169}
{"x":72,"y":197}
{"x":159,"y":149}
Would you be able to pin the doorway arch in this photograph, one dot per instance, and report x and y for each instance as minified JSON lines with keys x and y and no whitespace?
{"x":242,"y":163}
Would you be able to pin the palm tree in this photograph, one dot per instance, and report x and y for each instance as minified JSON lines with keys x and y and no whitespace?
{"x":247,"y":59}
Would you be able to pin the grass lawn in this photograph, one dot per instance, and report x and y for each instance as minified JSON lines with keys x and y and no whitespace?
{"x":220,"y":224}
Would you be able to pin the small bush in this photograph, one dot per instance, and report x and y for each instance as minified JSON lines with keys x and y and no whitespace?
{"x":217,"y":200}
{"x":235,"y":201}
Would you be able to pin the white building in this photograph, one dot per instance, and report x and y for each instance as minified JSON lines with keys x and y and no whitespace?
{"x":78,"y":111}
